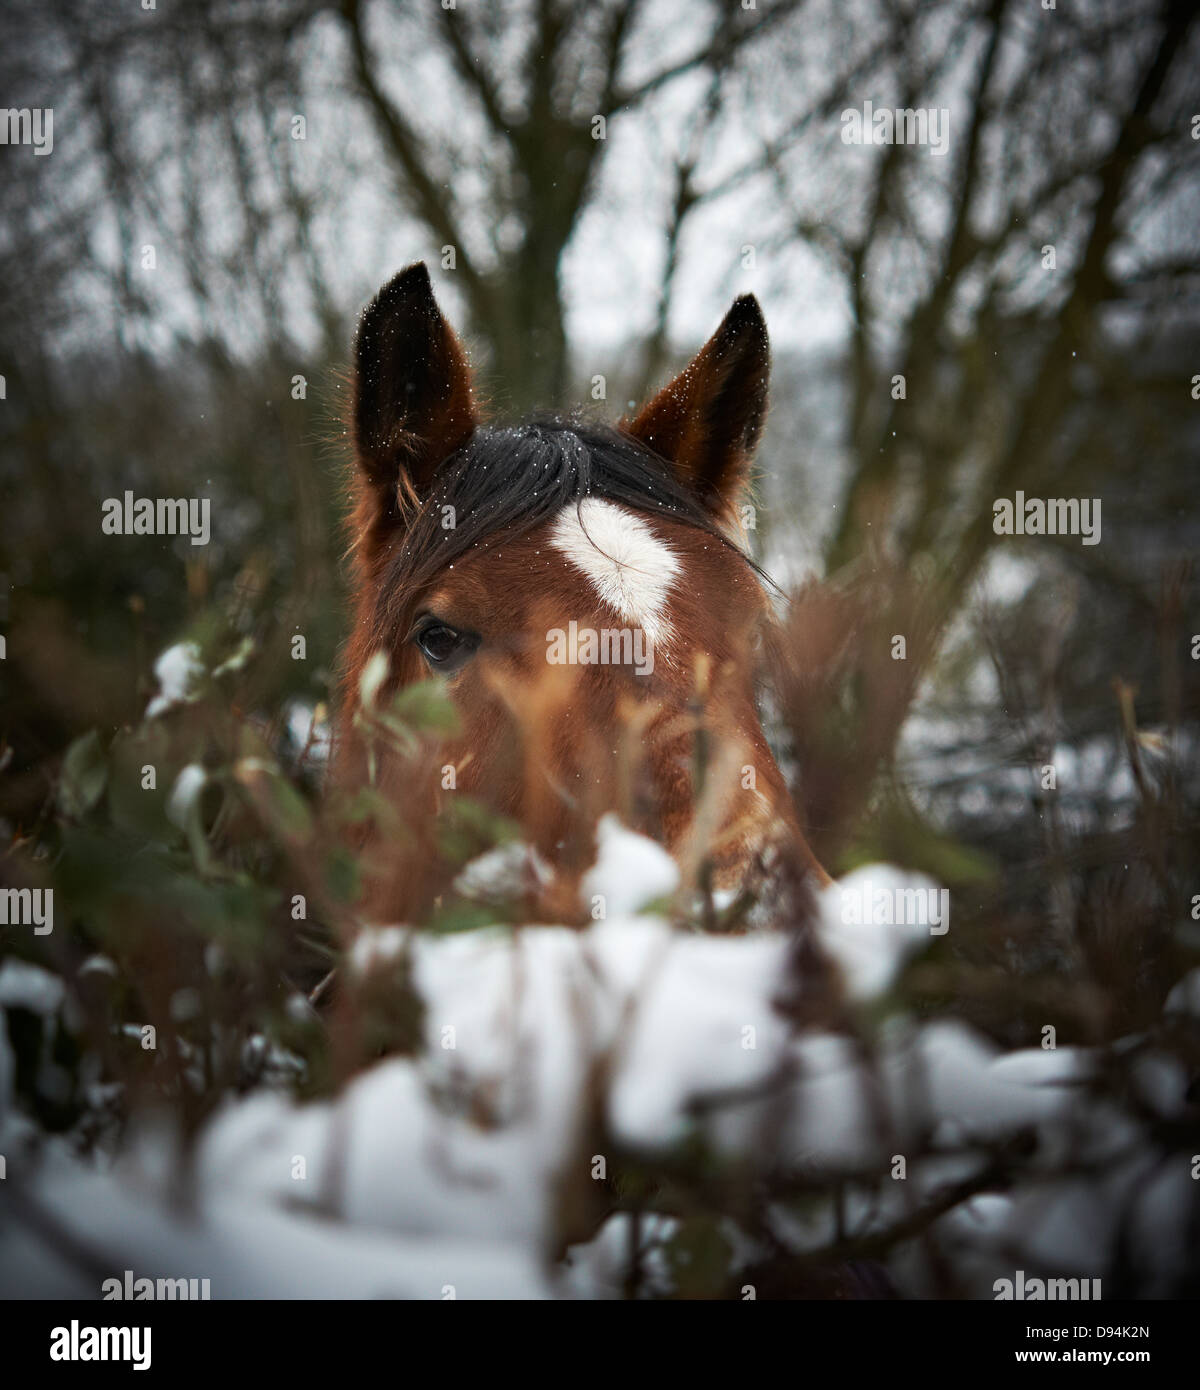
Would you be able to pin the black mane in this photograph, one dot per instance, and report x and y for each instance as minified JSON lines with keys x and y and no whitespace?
{"x":504,"y":482}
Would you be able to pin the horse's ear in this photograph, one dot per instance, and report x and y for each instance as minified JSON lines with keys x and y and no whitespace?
{"x":708,"y":420}
{"x":412,"y":388}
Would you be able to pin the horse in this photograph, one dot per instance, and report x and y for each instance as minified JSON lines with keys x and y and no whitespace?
{"x":584,"y":595}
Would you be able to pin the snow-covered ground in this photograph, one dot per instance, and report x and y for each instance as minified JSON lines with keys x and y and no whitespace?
{"x":464,"y":1171}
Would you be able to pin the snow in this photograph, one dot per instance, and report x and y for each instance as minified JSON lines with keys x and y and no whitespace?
{"x":871,"y":953}
{"x":1185,"y":997}
{"x":309,"y":731}
{"x":630,"y":871}
{"x":184,"y":794}
{"x":178,"y":669}
{"x":503,"y":873}
{"x":29,"y":987}
{"x":464,"y":1170}
{"x":248,"y":1250}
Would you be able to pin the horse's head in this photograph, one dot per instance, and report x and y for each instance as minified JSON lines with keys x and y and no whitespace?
{"x":579,"y":589}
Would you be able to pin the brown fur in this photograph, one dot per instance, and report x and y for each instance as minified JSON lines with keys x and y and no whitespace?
{"x":554,"y":747}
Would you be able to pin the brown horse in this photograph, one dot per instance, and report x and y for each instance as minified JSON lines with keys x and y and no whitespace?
{"x":581,"y":591}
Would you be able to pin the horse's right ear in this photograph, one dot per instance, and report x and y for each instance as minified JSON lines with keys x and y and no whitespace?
{"x":412,"y":389}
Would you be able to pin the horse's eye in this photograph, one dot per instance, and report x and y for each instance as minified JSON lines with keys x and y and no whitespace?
{"x":444,"y":647}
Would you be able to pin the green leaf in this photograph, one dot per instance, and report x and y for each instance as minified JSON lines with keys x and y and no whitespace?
{"x":458,"y":916}
{"x":238,"y":659}
{"x":84,"y":775}
{"x":278,"y":803}
{"x":400,"y":735}
{"x":372,"y":679}
{"x":426,"y":705}
{"x":133,"y":806}
{"x":468,"y":828}
{"x":343,"y":875}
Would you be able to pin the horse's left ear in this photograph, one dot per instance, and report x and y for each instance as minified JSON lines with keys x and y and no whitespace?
{"x":708,"y":420}
{"x":412,"y":389}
